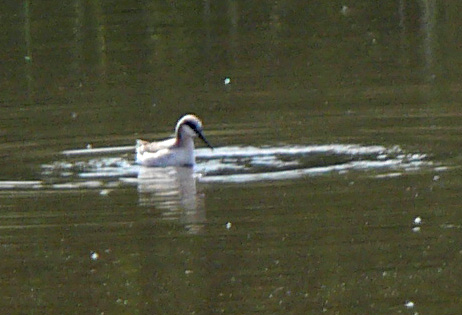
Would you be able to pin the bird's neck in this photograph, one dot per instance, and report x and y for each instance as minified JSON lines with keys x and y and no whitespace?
{"x":185,"y":142}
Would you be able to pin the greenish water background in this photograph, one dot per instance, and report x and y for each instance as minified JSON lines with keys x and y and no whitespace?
{"x":302,"y":73}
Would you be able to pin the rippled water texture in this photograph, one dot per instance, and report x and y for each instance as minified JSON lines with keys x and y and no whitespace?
{"x":334,"y":186}
{"x":242,"y":164}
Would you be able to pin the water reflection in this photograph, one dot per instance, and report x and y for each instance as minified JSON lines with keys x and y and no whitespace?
{"x":28,"y":43}
{"x":173,"y":190}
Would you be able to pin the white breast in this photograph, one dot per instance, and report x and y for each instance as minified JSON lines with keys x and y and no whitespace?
{"x":174,"y":156}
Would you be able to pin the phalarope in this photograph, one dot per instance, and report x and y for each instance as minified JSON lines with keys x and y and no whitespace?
{"x":178,"y":151}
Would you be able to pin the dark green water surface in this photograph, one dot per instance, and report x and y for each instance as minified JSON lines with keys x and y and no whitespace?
{"x":276,"y":233}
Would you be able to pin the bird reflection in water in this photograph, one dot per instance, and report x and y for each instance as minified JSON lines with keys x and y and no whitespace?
{"x":173,"y":190}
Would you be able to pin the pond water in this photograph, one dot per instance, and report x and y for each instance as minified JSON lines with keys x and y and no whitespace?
{"x":334,"y":185}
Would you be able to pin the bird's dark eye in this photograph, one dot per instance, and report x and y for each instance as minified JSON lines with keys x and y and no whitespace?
{"x":192,"y":125}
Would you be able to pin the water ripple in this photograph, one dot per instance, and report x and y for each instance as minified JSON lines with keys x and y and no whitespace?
{"x":239,"y":164}
{"x":248,"y":164}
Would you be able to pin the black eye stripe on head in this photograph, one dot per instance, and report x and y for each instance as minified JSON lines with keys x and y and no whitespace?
{"x":192,"y":125}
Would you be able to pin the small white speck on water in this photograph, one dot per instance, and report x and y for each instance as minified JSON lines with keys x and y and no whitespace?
{"x":228,"y":225}
{"x":94,"y":256}
{"x":122,"y":301}
{"x":409,"y":304}
{"x":227,"y":81}
{"x":345,"y":10}
{"x":104,"y":192}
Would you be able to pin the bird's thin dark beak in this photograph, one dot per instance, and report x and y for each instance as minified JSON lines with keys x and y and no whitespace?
{"x":202,"y":137}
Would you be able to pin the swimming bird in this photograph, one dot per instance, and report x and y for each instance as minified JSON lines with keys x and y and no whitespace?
{"x":177,"y":151}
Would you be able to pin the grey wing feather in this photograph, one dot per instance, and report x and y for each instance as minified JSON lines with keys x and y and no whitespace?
{"x":145,"y":146}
